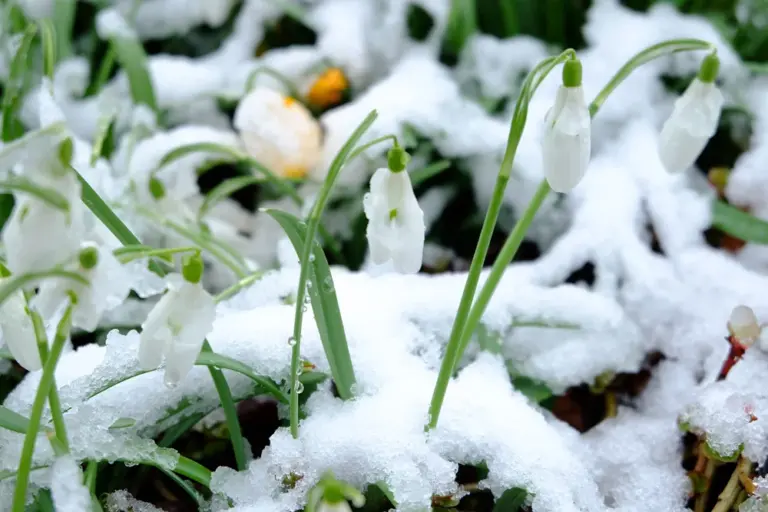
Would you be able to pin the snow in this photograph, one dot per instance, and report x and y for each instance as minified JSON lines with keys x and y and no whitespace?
{"x":676,"y":301}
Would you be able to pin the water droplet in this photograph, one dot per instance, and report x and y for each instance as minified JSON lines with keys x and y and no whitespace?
{"x":312,"y":257}
{"x":309,"y":285}
{"x":328,"y":285}
{"x":304,"y":308}
{"x":299,"y":371}
{"x":299,"y":387}
{"x":353,"y":389}
{"x":306,"y":299}
{"x":291,"y":341}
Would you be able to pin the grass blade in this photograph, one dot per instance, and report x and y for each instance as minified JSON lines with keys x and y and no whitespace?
{"x":324,"y":304}
{"x":131,"y":56}
{"x":11,"y":420}
{"x":222,"y":361}
{"x":48,"y":39}
{"x":15,"y":87}
{"x":421,"y":175}
{"x":64,"y":20}
{"x":237,"y":156}
{"x":103,"y":141}
{"x":47,"y":195}
{"x":738,"y":223}
{"x":223,"y":190}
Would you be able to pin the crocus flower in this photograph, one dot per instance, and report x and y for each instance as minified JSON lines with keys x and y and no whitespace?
{"x":18,"y":333}
{"x":395,"y":220}
{"x":693,"y":121}
{"x":279,"y":132}
{"x":178,"y":324}
{"x":567,"y":133}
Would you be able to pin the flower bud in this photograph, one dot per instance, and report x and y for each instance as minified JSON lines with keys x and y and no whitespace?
{"x":743,"y":325}
{"x":693,"y":121}
{"x":192,"y":268}
{"x":89,"y":257}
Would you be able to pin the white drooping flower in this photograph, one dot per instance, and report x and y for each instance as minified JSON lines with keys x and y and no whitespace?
{"x":109,"y":285}
{"x":567,"y":141}
{"x":18,"y":333}
{"x":395,"y":220}
{"x":177,"y":326}
{"x":693,"y":121}
{"x":279,"y":132}
{"x":38,"y":235}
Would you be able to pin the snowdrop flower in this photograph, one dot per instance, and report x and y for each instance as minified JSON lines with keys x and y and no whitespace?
{"x":567,"y":133}
{"x":694,"y":119}
{"x":178,"y":324}
{"x":39,"y":236}
{"x":109,"y":285}
{"x":18,"y":333}
{"x":331,"y":495}
{"x":395,"y":220}
{"x":279,"y":132}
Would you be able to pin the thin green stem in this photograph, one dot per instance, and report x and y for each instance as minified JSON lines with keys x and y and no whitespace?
{"x":309,"y":240}
{"x":358,"y":150}
{"x":241,"y":284}
{"x":53,"y":396}
{"x":469,"y":314}
{"x":230,"y":412}
{"x":645,"y":56}
{"x":43,"y":390}
{"x":105,"y":69}
{"x":515,"y":133}
{"x":91,"y":472}
{"x":508,"y":250}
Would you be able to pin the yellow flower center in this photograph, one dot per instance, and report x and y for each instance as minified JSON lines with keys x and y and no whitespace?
{"x":295,"y":172}
{"x":328,"y":88}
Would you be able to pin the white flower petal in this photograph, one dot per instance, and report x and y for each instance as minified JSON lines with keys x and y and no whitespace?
{"x":18,"y":333}
{"x":567,"y":140}
{"x":693,"y":122}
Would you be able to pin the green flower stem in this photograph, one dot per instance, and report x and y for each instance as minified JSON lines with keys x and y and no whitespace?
{"x":511,"y":245}
{"x":532,"y":81}
{"x":312,"y":226}
{"x":645,"y":56}
{"x":469,"y":314}
{"x":91,"y":471}
{"x":43,"y":390}
{"x":53,"y":396}
{"x":358,"y":150}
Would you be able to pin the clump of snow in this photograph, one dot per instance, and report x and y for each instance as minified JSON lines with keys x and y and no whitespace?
{"x":67,"y":489}
{"x":122,"y":501}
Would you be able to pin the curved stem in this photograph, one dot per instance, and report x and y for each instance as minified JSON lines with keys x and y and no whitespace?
{"x":532,"y":81}
{"x":358,"y":150}
{"x":469,"y":314}
{"x":309,"y":241}
{"x":43,"y":390}
{"x":645,"y":56}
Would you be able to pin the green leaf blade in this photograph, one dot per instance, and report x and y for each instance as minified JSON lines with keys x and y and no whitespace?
{"x":131,"y":56}
{"x":740,"y":224}
{"x":325,"y":306}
